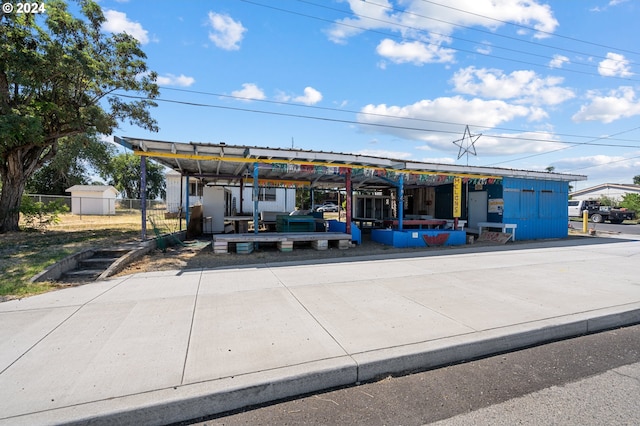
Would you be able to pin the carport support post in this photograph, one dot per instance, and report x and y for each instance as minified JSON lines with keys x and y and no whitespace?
{"x":143,"y":195}
{"x":186,"y":203}
{"x":256,"y":194}
{"x":348,"y":205}
{"x":400,"y":201}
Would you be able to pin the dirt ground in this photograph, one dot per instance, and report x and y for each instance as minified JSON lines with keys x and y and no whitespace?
{"x":196,"y":254}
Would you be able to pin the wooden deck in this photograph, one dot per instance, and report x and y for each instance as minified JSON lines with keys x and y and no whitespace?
{"x":285,"y":240}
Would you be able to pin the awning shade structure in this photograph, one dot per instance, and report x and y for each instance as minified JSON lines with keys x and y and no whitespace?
{"x":224,"y":163}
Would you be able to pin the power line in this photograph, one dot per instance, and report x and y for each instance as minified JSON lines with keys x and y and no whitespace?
{"x":536,"y":30}
{"x":519,"y":40}
{"x":561,"y":149}
{"x":451,"y":123}
{"x":509,"y":59}
{"x":610,"y":162}
{"x":336,"y":120}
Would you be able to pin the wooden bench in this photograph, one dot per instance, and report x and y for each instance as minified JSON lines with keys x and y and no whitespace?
{"x":285,"y":240}
{"x":499,"y":225}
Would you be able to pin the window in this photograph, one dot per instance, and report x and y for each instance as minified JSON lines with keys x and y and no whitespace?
{"x":267,"y":194}
{"x":195,"y":189}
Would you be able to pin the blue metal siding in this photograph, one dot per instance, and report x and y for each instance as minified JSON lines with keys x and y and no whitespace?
{"x":538,"y":207}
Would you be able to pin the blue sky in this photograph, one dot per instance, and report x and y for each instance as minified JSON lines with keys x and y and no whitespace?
{"x":545,"y":83}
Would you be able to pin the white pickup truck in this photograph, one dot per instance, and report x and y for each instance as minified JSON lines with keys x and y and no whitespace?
{"x":599,"y":213}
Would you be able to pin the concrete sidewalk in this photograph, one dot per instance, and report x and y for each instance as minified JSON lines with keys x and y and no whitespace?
{"x":157,"y":348}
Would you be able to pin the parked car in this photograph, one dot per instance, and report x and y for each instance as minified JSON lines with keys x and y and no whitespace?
{"x":328,"y":207}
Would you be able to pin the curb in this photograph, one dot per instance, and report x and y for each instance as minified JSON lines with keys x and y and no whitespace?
{"x":187,"y":402}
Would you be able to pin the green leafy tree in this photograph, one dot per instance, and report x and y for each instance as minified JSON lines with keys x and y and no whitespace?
{"x":58,"y":77}
{"x":77,"y":157}
{"x":636,"y":180}
{"x":631,"y":202}
{"x":125,"y":177}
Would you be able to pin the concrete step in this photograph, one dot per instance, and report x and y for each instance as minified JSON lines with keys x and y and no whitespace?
{"x":110,"y":253}
{"x":83,"y":273}
{"x":96,"y":262}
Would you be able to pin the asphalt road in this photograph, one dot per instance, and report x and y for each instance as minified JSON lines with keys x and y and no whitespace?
{"x":589,"y":380}
{"x":622,"y":228}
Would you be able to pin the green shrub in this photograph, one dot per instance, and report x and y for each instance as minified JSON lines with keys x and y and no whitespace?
{"x":38,"y":215}
{"x":631,"y":202}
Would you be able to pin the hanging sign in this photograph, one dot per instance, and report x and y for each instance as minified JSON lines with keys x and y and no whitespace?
{"x":457,"y":197}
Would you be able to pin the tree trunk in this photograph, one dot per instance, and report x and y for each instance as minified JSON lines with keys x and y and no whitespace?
{"x":15,"y":171}
{"x":10,"y":206}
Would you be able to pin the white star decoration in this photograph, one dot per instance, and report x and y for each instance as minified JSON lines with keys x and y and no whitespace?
{"x":467,"y":144}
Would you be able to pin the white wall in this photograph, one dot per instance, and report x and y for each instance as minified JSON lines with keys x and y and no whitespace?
{"x":615,"y":194}
{"x":89,"y":202}
{"x":174,"y":184}
{"x":285,"y":197}
{"x":285,"y":200}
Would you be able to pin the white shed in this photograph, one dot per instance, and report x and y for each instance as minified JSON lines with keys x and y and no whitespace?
{"x":93,"y":199}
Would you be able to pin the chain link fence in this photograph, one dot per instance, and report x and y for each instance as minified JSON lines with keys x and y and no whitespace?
{"x":116,"y":205}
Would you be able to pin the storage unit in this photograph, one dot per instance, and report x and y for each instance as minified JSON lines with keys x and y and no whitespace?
{"x":216,"y":204}
{"x":93,"y":199}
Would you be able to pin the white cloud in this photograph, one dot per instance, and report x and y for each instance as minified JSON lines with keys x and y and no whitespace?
{"x":612,"y":3}
{"x":311,"y":96}
{"x":558,"y":61}
{"x":438,"y":118}
{"x":523,"y":86}
{"x":227,"y":33}
{"x":619,"y":103}
{"x":419,"y":17}
{"x":615,"y":65}
{"x":605,"y":168}
{"x":175,"y":80}
{"x":415,"y":52}
{"x":117,"y":22}
{"x":399,"y":155}
{"x":250,"y":92}
{"x":517,"y":143}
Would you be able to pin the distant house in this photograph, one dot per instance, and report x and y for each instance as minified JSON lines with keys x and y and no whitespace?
{"x":93,"y":199}
{"x":613,"y":191}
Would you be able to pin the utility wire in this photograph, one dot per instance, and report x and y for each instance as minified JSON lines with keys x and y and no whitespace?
{"x":519,"y":40}
{"x":606,"y":164}
{"x":336,"y":120}
{"x":373,"y":114}
{"x":474,"y":52}
{"x":562,"y":149}
{"x":535,"y":29}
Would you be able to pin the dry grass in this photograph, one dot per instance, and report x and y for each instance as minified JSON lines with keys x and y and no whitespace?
{"x":27,"y":253}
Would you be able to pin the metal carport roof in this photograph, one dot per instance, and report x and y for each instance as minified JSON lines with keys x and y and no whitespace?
{"x":231,"y":163}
